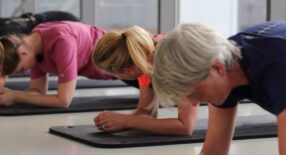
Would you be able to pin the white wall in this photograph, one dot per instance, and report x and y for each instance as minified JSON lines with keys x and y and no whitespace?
{"x":220,"y":14}
{"x":278,"y":10}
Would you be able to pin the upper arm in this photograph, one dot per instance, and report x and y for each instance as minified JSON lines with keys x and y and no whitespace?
{"x":65,"y":56}
{"x":66,"y":91}
{"x":220,"y":130}
{"x":188,"y":114}
{"x":3,"y":80}
{"x":281,"y":120}
{"x":146,"y":92}
{"x":145,"y":105}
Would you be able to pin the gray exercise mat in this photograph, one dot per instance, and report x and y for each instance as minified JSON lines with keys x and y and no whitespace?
{"x":17,"y":75}
{"x":80,"y":104}
{"x":81,"y":83}
{"x":249,"y":127}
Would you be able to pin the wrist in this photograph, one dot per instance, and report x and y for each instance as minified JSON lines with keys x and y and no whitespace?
{"x":14,"y":95}
{"x":128,"y":119}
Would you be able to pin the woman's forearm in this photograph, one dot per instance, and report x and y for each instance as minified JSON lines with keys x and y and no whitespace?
{"x":35,"y":98}
{"x":169,"y":126}
{"x":146,"y":113}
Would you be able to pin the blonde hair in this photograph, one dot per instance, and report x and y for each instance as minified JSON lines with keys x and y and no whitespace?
{"x":118,"y":49}
{"x":184,"y":58}
{"x":2,"y":55}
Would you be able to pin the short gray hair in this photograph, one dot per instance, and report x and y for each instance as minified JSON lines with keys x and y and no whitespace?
{"x":184,"y":58}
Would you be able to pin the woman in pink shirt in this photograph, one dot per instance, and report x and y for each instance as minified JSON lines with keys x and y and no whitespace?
{"x":64,"y":48}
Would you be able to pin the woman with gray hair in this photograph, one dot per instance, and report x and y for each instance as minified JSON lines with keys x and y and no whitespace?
{"x":196,"y":63}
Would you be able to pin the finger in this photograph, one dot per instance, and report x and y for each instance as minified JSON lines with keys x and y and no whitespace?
{"x":98,"y":118}
{"x":111,"y":128}
{"x":103,"y":127}
{"x":102,"y":119}
{"x":106,"y":127}
{"x":2,"y":91}
{"x":100,"y":115}
{"x":101,"y":123}
{"x":95,"y":119}
{"x":2,"y":103}
{"x":98,"y":126}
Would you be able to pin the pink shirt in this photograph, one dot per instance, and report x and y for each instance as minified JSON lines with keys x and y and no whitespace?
{"x":67,"y":49}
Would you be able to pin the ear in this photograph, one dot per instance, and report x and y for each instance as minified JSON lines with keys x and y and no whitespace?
{"x":219,"y":67}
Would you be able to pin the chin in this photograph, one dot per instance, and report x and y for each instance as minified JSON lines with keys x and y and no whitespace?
{"x":220,"y":100}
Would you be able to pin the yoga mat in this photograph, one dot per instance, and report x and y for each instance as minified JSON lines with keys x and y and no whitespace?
{"x":81,"y":83}
{"x":80,"y":104}
{"x":17,"y":75}
{"x":249,"y":127}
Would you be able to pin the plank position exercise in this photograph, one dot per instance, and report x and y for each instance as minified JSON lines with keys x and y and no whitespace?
{"x":128,"y":55}
{"x":196,"y":63}
{"x":25,"y":23}
{"x":64,"y":48}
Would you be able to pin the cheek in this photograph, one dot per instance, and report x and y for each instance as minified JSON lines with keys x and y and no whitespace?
{"x":210,"y":92}
{"x":220,"y":93}
{"x":25,"y":61}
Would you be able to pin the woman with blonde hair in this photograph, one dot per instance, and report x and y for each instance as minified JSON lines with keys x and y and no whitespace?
{"x":128,"y":55}
{"x":196,"y":63}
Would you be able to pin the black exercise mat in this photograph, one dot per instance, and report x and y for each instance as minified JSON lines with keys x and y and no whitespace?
{"x":81,"y":83}
{"x":81,"y":104}
{"x":250,"y":127}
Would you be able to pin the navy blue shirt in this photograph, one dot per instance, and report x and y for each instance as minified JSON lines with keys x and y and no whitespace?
{"x":263,"y":49}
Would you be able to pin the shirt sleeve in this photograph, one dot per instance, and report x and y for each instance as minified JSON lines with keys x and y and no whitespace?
{"x":65,"y":56}
{"x":236,"y":95}
{"x":144,"y":81}
{"x":36,"y":72}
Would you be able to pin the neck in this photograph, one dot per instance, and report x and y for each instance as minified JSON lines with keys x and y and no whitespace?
{"x":33,"y":43}
{"x":237,"y":75}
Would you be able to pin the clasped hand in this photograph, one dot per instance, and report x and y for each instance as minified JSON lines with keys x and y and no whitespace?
{"x":7,"y":96}
{"x":109,"y":121}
